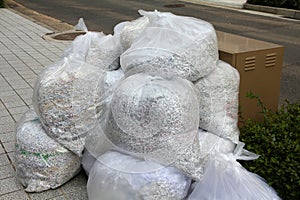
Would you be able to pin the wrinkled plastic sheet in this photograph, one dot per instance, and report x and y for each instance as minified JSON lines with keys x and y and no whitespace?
{"x":226,"y":179}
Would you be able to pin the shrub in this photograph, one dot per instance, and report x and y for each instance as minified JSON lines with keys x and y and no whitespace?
{"x":1,"y":3}
{"x":277,"y":141}
{"x":292,"y":4}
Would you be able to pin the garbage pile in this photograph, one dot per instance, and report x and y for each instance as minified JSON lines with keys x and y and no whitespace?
{"x":148,"y":112}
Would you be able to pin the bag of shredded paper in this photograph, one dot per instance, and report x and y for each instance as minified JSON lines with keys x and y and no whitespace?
{"x":64,"y":98}
{"x":41,"y":163}
{"x":218,"y":101}
{"x":182,"y":45}
{"x":128,"y":31}
{"x":96,"y":48}
{"x":117,"y":176}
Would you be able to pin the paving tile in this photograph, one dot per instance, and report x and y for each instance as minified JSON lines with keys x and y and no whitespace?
{"x":6,"y":119}
{"x":4,"y":128}
{"x":18,"y":195}
{"x":78,"y":195}
{"x":78,"y":183}
{"x":2,"y":107}
{"x":18,"y":110}
{"x":17,"y":117}
{"x":9,"y":57}
{"x":9,"y":146}
{"x":29,"y":76}
{"x":16,"y":87}
{"x":3,"y":112}
{"x":17,"y":82}
{"x":28,"y":101}
{"x":26,"y":96}
{"x":38,"y":71}
{"x":13,"y":97}
{"x":16,"y":103}
{"x":15,"y":62}
{"x":3,"y":160}
{"x":7,"y":137}
{"x":1,"y":150}
{"x":4,"y":83}
{"x":6,"y":171}
{"x":8,"y":71}
{"x":59,"y":198}
{"x":5,"y":88}
{"x":7,"y":93}
{"x":25,"y":91}
{"x":46,"y":194}
{"x":11,"y":156}
{"x":31,"y":81}
{"x":9,"y":185}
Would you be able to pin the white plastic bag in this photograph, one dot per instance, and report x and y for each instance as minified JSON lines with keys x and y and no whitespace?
{"x":218,"y":101}
{"x":128,"y":31}
{"x":105,"y":53}
{"x":87,"y":162}
{"x":192,"y":161}
{"x":112,"y":78}
{"x":149,"y":117}
{"x":95,"y":48}
{"x":65,"y":98}
{"x":81,"y":44}
{"x":116,"y":176}
{"x":181,"y":45}
{"x":80,"y":26}
{"x":41,"y":163}
{"x":226,"y":179}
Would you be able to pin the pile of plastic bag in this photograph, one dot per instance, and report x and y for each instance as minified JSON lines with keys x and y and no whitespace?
{"x":150,"y":112}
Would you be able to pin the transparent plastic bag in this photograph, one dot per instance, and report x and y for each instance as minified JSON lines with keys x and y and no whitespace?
{"x":184,"y":45}
{"x":81,"y":44}
{"x":117,"y":176}
{"x":128,"y":31}
{"x":96,"y":48}
{"x":41,"y":163}
{"x":149,"y":117}
{"x":65,"y":98}
{"x":80,"y":26}
{"x":193,"y":160}
{"x":112,"y":78}
{"x":226,"y":179}
{"x":218,"y":101}
{"x":87,"y":162}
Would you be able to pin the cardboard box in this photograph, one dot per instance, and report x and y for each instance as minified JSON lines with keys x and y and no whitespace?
{"x":259,"y":64}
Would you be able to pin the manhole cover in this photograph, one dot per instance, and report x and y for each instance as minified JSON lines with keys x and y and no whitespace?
{"x":66,"y":36}
{"x":176,"y":5}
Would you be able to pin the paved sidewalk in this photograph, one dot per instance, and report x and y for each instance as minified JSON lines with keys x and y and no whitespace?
{"x":23,"y":55}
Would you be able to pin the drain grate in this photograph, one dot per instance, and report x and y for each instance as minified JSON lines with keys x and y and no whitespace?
{"x":177,"y":5}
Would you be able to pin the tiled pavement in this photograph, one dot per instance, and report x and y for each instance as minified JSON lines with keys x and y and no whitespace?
{"x":23,"y":55}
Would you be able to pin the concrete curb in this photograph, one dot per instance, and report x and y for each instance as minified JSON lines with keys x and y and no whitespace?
{"x":289,"y":13}
{"x":41,"y":19}
{"x":218,"y":3}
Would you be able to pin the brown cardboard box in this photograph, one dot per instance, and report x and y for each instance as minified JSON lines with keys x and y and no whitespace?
{"x":259,"y":64}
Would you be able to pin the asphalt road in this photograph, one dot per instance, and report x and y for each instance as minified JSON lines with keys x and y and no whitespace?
{"x":103,"y":15}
